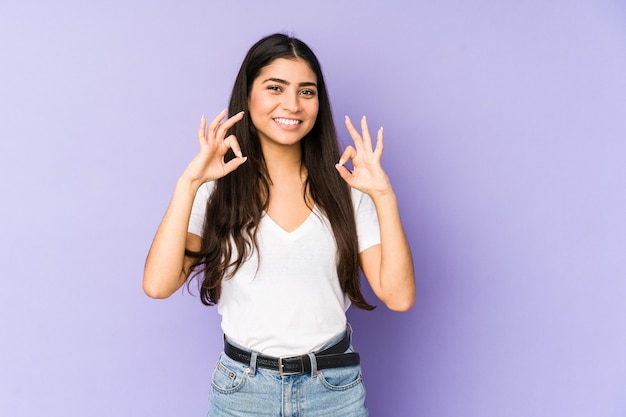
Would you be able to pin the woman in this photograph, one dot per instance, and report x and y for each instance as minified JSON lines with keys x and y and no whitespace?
{"x":276,"y":227}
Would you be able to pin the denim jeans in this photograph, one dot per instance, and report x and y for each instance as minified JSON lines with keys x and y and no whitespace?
{"x":239,"y":390}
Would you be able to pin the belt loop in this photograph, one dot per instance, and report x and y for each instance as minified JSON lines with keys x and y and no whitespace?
{"x":253,"y":356}
{"x":350,"y":333}
{"x":313,"y":364}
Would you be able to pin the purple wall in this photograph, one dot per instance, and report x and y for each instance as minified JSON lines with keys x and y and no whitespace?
{"x":505,"y":129}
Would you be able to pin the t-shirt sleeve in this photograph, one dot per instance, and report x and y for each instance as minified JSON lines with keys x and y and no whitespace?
{"x":367,"y":227}
{"x":196,"y":220}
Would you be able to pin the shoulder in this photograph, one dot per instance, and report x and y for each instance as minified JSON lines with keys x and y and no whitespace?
{"x":366,"y":217}
{"x":360,"y":199}
{"x":356,"y":194}
{"x":205,"y":190}
{"x":198,"y":209}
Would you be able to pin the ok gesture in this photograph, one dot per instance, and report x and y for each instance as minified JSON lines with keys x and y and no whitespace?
{"x":368,"y":175}
{"x":208,"y":164}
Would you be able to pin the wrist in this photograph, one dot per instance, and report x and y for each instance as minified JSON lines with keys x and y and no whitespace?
{"x":383,"y":195}
{"x":189,"y":182}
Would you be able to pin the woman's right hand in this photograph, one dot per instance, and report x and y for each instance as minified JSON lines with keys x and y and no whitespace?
{"x":208,"y":164}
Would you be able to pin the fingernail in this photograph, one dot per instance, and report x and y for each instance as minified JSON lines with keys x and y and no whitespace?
{"x":242,"y":112}
{"x":341,"y":161}
{"x":245,"y":159}
{"x":363,"y":117}
{"x":346,"y":116}
{"x":381,"y":128}
{"x":239,"y":154}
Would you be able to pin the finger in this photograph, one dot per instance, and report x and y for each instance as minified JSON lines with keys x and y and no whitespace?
{"x":233,"y":164}
{"x":367,"y":139}
{"x":201,"y":131}
{"x":216,"y":122}
{"x":356,"y":138}
{"x":230,"y":122}
{"x":379,"y":143}
{"x":348,"y":154}
{"x":232,"y":143}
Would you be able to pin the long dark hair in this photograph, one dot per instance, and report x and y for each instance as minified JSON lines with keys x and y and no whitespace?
{"x":238,"y":200}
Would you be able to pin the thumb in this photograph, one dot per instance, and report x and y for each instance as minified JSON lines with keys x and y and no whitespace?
{"x":233,"y":164}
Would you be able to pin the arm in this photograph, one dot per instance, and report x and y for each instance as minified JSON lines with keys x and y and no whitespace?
{"x":388,"y":267}
{"x":167,"y":267}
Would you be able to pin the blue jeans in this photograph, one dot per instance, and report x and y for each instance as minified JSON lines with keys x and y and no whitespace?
{"x":240,"y":390}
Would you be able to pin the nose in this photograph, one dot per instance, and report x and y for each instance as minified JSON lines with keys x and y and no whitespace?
{"x":291,"y":102}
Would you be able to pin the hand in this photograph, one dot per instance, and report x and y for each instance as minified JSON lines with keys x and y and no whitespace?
{"x":208,"y":164}
{"x":368,"y":175}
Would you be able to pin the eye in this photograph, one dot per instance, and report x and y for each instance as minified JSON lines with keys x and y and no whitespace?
{"x":276,"y":88}
{"x":309,"y":93}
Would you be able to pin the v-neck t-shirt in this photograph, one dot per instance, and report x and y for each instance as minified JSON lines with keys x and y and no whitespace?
{"x":291,"y":302}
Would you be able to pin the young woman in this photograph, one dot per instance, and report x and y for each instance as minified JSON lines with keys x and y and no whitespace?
{"x":276,"y":227}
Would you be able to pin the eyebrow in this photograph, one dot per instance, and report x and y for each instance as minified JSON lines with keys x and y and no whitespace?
{"x":281,"y":81}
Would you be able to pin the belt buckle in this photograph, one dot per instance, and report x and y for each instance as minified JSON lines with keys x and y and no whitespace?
{"x":281,"y":366}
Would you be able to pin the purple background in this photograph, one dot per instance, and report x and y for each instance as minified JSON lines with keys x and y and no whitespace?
{"x":505,"y":127}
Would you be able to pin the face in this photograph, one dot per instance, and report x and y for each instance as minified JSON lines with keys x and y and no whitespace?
{"x":283,"y":102}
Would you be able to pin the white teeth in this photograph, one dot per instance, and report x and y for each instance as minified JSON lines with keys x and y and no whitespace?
{"x":287,"y":121}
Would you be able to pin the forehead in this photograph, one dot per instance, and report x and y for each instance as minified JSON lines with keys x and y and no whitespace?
{"x":291,"y":70}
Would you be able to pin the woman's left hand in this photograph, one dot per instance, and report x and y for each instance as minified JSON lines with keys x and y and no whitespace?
{"x":388,"y":266}
{"x":367,"y":175}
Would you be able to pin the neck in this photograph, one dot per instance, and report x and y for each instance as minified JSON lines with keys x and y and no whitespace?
{"x":283,"y":161}
{"x":288,"y":179}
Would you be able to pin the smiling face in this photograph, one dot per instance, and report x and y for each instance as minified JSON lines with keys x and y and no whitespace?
{"x":283,"y":102}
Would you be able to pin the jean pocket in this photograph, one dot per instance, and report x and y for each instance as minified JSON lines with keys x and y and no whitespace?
{"x":341,"y":379}
{"x":228,"y":379}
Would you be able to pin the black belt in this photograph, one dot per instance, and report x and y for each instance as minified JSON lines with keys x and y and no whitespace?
{"x":332,"y":357}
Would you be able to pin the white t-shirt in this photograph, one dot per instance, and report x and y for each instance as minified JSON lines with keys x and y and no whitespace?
{"x":293,"y":304}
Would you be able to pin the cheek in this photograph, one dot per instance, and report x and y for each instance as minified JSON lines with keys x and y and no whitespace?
{"x":313,"y":112}
{"x":254,"y":103}
{"x":256,"y":107}
{"x":314,"y":109}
